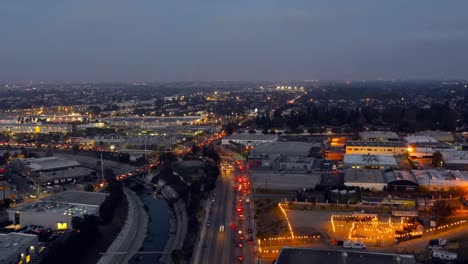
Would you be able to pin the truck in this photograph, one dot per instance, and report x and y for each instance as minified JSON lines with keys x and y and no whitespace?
{"x":437,"y":243}
{"x":443,"y":255}
{"x":353,"y":244}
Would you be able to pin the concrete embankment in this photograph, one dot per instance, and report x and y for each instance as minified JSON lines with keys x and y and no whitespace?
{"x":131,"y":237}
{"x":178,"y":224}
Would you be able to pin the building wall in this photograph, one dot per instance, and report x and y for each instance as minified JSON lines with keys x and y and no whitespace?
{"x":376,"y":150}
{"x":47,"y":220}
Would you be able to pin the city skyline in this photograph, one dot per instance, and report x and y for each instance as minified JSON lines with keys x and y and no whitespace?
{"x":262,"y":40}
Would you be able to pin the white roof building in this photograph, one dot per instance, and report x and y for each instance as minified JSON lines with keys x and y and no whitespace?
{"x":357,"y":161}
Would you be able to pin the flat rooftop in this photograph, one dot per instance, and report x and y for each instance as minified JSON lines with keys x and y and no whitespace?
{"x":382,"y":135}
{"x":291,"y":148}
{"x":416,"y":139}
{"x":76,"y":197}
{"x":12,"y":243}
{"x":290,"y":255}
{"x":361,"y":143}
{"x":364,"y":176}
{"x":248,"y":136}
{"x":358,"y":159}
{"x":51,"y":207}
{"x":441,"y":177}
{"x":458,"y":157}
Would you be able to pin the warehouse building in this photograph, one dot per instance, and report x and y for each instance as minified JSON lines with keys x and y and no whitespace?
{"x":441,"y":136}
{"x":18,"y":248}
{"x":379,"y":136}
{"x":376,"y":147}
{"x":53,"y":170}
{"x":441,"y":179}
{"x":382,"y":162}
{"x":455,"y":160}
{"x":57,"y":211}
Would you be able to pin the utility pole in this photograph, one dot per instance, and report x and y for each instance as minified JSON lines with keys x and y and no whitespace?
{"x":102,"y":168}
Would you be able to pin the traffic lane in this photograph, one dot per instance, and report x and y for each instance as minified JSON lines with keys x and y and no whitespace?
{"x":217,"y":219}
{"x":224,"y":252}
{"x":220,"y":220}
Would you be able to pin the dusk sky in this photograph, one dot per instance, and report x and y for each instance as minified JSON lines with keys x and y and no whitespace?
{"x":182,"y":40}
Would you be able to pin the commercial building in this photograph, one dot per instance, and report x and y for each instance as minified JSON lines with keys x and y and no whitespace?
{"x":57,"y":211}
{"x":290,"y":255}
{"x":382,"y":162}
{"x":53,"y":170}
{"x":379,"y":136}
{"x":17,"y":248}
{"x":376,"y":147}
{"x":35,"y":128}
{"x":455,"y":160}
{"x":419,"y":139}
{"x":249,"y":139}
{"x":441,"y":179}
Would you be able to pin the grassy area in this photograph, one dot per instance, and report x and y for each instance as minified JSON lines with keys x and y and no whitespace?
{"x":269,"y":219}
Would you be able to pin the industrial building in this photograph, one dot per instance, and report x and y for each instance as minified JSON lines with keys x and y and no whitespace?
{"x":53,"y":170}
{"x":373,"y":180}
{"x":378,"y":180}
{"x":441,"y":179}
{"x":382,"y":162}
{"x":394,"y":148}
{"x":18,"y":248}
{"x":379,"y":136}
{"x":249,"y":139}
{"x":455,"y":160}
{"x":57,"y":211}
{"x":441,"y":136}
{"x":283,"y":156}
{"x":291,"y":255}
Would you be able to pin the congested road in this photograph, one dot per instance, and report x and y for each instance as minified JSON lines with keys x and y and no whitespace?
{"x":229,"y":226}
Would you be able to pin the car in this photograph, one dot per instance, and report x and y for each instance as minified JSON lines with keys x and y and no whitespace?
{"x":249,"y":230}
{"x":32,"y":196}
{"x":240,"y":244}
{"x":208,"y":223}
{"x":241,"y":237}
{"x":241,"y":221}
{"x":240,"y":258}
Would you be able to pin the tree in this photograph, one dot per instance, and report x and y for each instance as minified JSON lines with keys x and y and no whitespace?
{"x":75,"y":148}
{"x":88,"y":188}
{"x":437,"y":160}
{"x":115,"y":187}
{"x":441,"y":209}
